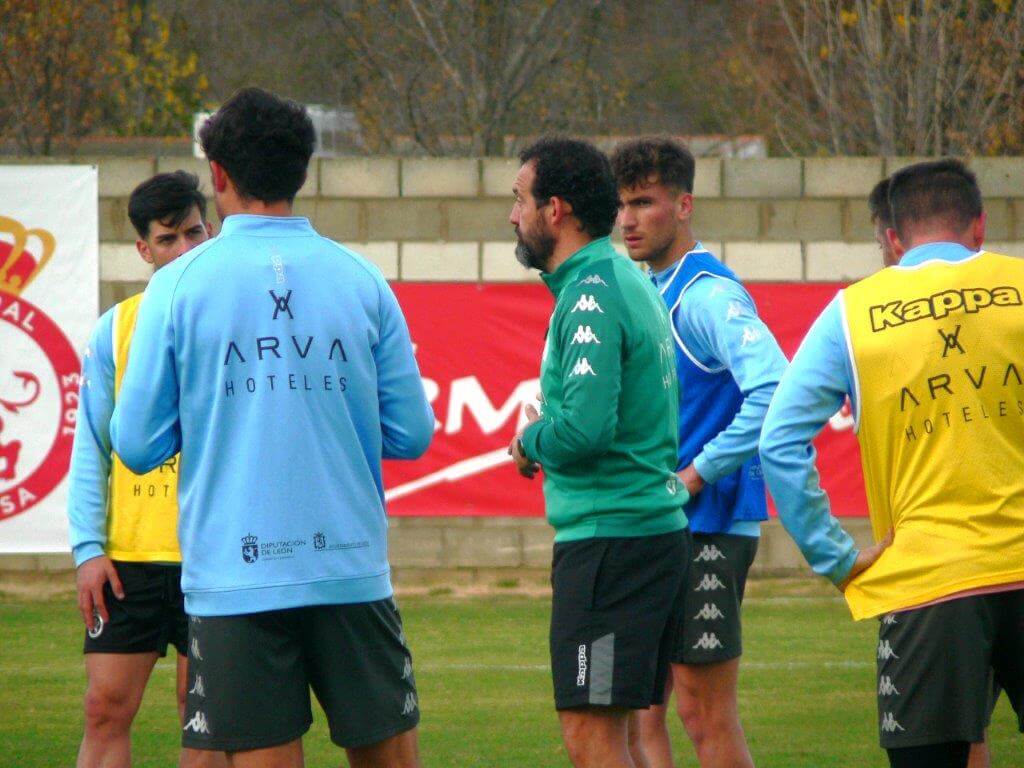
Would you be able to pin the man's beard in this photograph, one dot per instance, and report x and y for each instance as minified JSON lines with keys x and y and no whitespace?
{"x":534,"y":251}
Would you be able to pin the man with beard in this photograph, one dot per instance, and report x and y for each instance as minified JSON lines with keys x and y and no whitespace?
{"x":607,"y":443}
{"x":728,"y":365}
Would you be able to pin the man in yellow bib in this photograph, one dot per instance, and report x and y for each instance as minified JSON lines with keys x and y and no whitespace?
{"x":931,"y":353}
{"x":123,"y":526}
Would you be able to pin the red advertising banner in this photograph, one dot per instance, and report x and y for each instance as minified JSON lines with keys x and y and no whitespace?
{"x":479,"y":349}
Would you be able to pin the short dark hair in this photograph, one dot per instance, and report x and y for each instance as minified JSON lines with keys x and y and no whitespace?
{"x":264,"y":143}
{"x":579,"y":173}
{"x":636,"y":161}
{"x":878,"y":204}
{"x":167,"y":198}
{"x":937,"y":189}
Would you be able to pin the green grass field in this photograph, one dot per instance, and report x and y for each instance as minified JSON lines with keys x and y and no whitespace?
{"x":806,"y":687}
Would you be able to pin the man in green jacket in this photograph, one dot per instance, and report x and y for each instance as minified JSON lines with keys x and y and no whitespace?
{"x":607,"y":443}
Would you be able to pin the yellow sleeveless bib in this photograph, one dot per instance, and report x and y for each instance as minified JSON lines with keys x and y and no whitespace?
{"x":938,"y":353}
{"x":143,"y":509}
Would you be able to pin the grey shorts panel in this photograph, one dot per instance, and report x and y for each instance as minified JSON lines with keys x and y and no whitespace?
{"x":710,"y":630}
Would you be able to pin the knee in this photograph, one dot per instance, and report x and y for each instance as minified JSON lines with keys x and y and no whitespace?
{"x":693,"y":717}
{"x":106,"y":710}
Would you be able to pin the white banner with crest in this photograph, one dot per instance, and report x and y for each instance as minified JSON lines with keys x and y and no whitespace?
{"x":49,"y":280}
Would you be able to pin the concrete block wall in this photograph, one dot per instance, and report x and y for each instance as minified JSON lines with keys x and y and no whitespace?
{"x":436,"y":219}
{"x":439,"y":219}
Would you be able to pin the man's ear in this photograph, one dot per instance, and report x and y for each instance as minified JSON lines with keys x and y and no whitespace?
{"x":560,"y":211}
{"x":894,"y":242}
{"x":979,"y":230}
{"x":143,"y":248}
{"x":218,"y":176}
{"x":209,"y":228}
{"x":684,"y":206}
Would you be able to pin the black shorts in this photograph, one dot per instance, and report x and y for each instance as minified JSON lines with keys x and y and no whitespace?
{"x":250,"y":675}
{"x":151,"y":615}
{"x":615,"y":604}
{"x":710,"y":631}
{"x":937,"y":664}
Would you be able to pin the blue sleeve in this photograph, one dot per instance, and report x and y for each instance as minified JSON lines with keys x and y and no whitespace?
{"x":722,"y":328}
{"x":406,"y":418}
{"x":811,"y":391}
{"x":145,"y":429}
{"x":89,"y":483}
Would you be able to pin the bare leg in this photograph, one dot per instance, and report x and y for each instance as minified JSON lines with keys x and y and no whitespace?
{"x":193,"y":758}
{"x":633,"y":740}
{"x":706,"y":701}
{"x":597,"y":738}
{"x":979,"y":755}
{"x":401,"y":751}
{"x":653,"y":733}
{"x":285,"y":756}
{"x":116,"y":682}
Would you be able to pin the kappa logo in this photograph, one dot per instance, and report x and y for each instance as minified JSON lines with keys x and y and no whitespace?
{"x":581,"y":666}
{"x":407,"y":669}
{"x":97,"y":625}
{"x":585,"y":335}
{"x":199,"y":689}
{"x":592,"y":280}
{"x":886,"y":687}
{"x":709,"y":583}
{"x":885,"y":651}
{"x":889,"y":724}
{"x":197,"y":724}
{"x":710,"y":612}
{"x":734,"y":311}
{"x":709,"y":553}
{"x":587,"y":303}
{"x":582,"y":368}
{"x":889,"y":619}
{"x":751,"y":335}
{"x":939,"y":305}
{"x":708,"y":642}
{"x":194,"y":647}
{"x":410,"y":704}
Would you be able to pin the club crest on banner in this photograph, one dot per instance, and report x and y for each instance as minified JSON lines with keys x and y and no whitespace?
{"x":39,"y":380}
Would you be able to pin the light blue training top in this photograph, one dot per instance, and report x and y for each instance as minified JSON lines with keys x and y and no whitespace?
{"x":280,"y":365}
{"x":90,"y":457}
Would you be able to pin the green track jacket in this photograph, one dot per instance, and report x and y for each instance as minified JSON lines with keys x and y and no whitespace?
{"x":607,"y":437}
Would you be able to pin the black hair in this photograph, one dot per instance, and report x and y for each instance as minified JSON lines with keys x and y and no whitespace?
{"x":580,"y":174}
{"x":937,"y":189}
{"x":878,"y":204}
{"x":264,"y":143}
{"x":638,"y":161}
{"x":167,"y":198}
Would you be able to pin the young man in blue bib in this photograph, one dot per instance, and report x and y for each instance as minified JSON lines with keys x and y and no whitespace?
{"x":728,"y":365}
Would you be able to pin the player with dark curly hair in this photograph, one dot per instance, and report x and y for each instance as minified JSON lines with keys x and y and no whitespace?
{"x":280,"y":365}
{"x":607,"y":443}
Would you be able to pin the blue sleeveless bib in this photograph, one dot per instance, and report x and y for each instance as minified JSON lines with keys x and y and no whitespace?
{"x":708,"y":402}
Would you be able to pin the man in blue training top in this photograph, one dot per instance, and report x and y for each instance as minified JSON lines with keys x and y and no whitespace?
{"x":280,"y":365}
{"x":728,"y":364}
